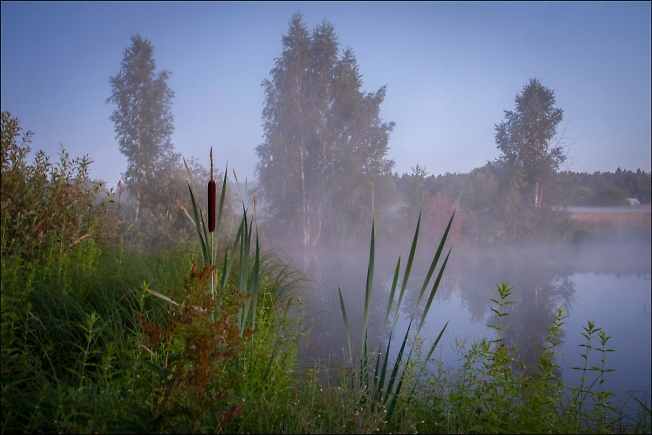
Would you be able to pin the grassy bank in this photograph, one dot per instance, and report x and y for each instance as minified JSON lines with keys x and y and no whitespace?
{"x":611,"y":225}
{"x":638,"y":219}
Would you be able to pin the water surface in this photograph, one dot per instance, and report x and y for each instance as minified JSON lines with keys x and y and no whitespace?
{"x":608,"y":283}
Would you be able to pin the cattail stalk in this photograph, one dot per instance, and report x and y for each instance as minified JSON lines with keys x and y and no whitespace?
{"x":212,"y":199}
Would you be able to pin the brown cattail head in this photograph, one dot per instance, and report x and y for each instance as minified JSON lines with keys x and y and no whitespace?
{"x":212,"y":198}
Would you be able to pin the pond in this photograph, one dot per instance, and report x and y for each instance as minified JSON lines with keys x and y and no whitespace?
{"x":608,"y":283}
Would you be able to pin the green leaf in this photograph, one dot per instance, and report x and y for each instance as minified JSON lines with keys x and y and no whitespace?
{"x":436,"y":342}
{"x":161,"y":296}
{"x":393,"y":289}
{"x":408,"y":268}
{"x":346,"y":321}
{"x":435,"y":259}
{"x":435,"y":287}
{"x":370,"y":283}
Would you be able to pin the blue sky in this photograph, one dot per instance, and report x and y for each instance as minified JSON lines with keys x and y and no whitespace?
{"x":451,"y":69}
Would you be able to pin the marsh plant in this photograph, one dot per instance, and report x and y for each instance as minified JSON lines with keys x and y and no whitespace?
{"x":382,"y":384}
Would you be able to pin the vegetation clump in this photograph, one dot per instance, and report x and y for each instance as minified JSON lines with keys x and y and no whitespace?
{"x":44,"y":205}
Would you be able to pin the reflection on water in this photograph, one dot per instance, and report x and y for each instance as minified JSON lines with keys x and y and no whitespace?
{"x":607,"y":283}
{"x":621,"y":306}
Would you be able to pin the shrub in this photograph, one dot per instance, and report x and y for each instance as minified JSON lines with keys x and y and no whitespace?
{"x":43,"y":204}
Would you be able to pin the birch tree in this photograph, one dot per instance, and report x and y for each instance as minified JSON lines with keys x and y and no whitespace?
{"x":526,"y":138}
{"x":143,"y":119}
{"x":324,"y":141}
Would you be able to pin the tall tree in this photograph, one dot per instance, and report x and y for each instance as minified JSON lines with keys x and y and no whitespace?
{"x":526,"y":137}
{"x":143,"y":120}
{"x":325,"y":142}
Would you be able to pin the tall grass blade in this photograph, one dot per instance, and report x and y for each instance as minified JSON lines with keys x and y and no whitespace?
{"x":364,"y":367}
{"x":220,"y":212}
{"x":435,"y":260}
{"x":393,"y":289}
{"x":224,"y":271}
{"x":200,"y":226}
{"x":161,"y":296}
{"x":269,"y":365}
{"x":397,"y":365}
{"x":244,"y":271}
{"x":277,"y":343}
{"x":383,"y":371}
{"x":408,"y":268}
{"x":370,"y":282}
{"x":199,"y":221}
{"x":253,"y":289}
{"x":243,"y":254}
{"x":346,"y":321}
{"x":376,"y":380}
{"x":392,"y":405}
{"x":228,"y":262}
{"x":436,"y":342}
{"x":435,"y":287}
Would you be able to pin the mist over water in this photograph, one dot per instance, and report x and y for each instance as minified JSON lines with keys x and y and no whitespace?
{"x":607,"y":282}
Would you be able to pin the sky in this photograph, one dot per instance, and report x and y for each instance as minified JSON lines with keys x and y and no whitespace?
{"x":451,"y":70}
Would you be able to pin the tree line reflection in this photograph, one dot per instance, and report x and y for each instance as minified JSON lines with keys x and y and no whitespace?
{"x":541,"y":277}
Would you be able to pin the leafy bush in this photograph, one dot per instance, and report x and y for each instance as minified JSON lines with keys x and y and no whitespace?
{"x":43,"y":204}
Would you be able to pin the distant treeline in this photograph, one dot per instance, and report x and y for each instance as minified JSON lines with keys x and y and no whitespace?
{"x":572,"y":188}
{"x":606,"y":188}
{"x":497,"y":204}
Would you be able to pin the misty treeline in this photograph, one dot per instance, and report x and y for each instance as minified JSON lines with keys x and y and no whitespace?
{"x":480,"y":191}
{"x":323,"y":153}
{"x":574,"y":188}
{"x":325,"y":145}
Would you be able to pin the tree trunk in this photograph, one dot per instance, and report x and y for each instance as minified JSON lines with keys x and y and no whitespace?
{"x":538,"y":195}
{"x":138,"y":185}
{"x":137,"y":203}
{"x":304,"y":204}
{"x":302,"y":157}
{"x":316,"y":238}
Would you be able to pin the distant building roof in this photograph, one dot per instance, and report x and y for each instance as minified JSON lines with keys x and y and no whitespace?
{"x":633,"y":201}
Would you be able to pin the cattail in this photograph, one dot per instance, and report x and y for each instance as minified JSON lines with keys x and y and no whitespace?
{"x":212,"y":198}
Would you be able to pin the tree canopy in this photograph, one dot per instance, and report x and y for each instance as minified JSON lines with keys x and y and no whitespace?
{"x":143,"y":119}
{"x":324,"y":141}
{"x":526,"y":137}
{"x":503,"y":199}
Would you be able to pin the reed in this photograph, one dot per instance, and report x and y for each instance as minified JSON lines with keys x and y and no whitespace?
{"x":244,"y":248}
{"x":386,"y":384}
